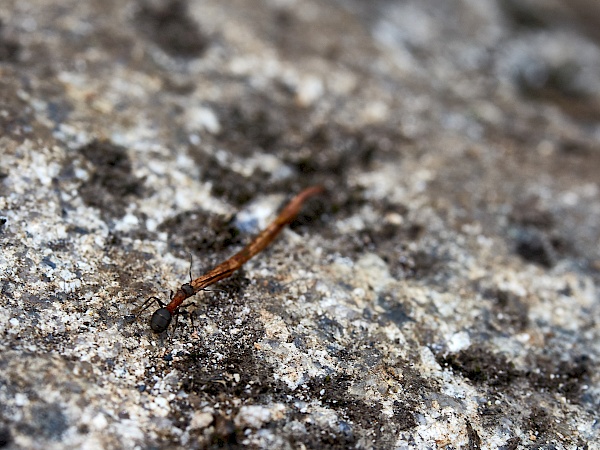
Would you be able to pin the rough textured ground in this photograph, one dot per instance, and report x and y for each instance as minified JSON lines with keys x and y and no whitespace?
{"x":445,"y":293}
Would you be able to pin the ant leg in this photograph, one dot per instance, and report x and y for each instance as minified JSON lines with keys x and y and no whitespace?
{"x":181,"y":310}
{"x":149,"y":302}
{"x":130,"y":318}
{"x":192,"y":321}
{"x":173,"y":328}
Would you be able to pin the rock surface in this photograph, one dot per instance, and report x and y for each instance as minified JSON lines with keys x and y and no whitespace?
{"x":444,"y":293}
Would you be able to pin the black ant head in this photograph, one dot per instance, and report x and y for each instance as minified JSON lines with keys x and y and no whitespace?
{"x":160,"y":320}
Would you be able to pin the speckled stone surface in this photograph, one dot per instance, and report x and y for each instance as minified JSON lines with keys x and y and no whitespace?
{"x":444,"y":293}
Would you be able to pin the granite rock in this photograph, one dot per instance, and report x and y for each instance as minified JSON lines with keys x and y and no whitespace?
{"x":444,"y":293}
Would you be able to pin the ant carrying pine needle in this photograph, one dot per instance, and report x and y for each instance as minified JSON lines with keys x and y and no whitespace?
{"x":162,"y":317}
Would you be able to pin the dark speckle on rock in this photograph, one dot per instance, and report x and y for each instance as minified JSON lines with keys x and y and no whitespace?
{"x":511,"y":444}
{"x":111,"y":183}
{"x":535,"y":248}
{"x":49,"y":262}
{"x":10,"y":48}
{"x":5,"y":437}
{"x":394,"y":310}
{"x":49,"y":421}
{"x":169,"y":24}
{"x":480,"y":366}
{"x":474,"y":439}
